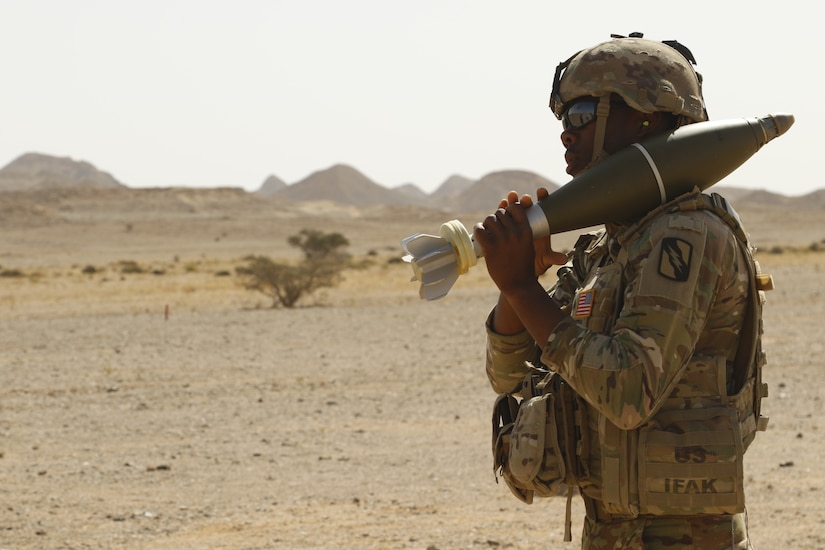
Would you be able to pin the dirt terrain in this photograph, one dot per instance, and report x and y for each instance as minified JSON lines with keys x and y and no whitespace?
{"x":171,"y":408}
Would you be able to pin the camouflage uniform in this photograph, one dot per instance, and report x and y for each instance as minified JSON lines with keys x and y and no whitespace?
{"x":649,"y":300}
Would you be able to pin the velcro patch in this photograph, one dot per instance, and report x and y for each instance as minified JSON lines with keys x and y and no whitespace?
{"x":584,"y":304}
{"x":674,"y":259}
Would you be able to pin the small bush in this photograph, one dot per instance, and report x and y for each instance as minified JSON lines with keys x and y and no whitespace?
{"x":130,"y":266}
{"x":11,"y":273}
{"x":286,"y":283}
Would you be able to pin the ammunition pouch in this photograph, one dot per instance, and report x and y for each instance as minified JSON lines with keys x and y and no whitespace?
{"x":538,"y":442}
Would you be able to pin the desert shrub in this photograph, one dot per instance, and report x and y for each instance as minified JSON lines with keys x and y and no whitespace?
{"x":11,"y":273}
{"x":790,"y":249}
{"x":89,"y":270}
{"x":284,"y":283}
{"x":817,"y":247}
{"x":317,"y":244}
{"x":130,"y":266}
{"x":321,"y":267}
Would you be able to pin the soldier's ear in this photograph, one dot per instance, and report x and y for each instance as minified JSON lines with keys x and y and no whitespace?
{"x":651,"y":123}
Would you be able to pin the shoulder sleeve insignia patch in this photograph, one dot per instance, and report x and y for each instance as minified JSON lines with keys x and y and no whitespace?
{"x":674,"y":259}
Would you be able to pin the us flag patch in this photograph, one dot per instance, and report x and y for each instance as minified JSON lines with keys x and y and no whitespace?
{"x":584,"y":304}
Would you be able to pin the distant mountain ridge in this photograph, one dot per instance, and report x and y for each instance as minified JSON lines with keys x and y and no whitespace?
{"x":39,"y":171}
{"x":345,"y":185}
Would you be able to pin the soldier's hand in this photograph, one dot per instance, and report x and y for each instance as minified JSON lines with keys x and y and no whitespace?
{"x":546,"y":257}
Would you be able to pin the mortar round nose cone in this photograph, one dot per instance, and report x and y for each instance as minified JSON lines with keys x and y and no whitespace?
{"x":783,"y":122}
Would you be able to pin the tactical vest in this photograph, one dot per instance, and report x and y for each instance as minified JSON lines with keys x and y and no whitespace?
{"x":687,"y":460}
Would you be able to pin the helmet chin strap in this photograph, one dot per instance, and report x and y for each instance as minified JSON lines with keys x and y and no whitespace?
{"x":602,"y":112}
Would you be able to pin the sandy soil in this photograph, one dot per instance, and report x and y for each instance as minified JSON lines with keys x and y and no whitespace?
{"x":177,"y":410}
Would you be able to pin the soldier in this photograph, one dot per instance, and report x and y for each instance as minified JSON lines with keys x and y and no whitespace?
{"x":655,"y":327}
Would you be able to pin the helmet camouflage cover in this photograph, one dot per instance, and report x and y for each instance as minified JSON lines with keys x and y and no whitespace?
{"x":649,"y":76}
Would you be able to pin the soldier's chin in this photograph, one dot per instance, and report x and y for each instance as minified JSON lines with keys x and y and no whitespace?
{"x":575,"y":168}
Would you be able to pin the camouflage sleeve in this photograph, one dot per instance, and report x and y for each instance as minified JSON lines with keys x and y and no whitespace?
{"x":628,"y":368}
{"x":507,"y":358}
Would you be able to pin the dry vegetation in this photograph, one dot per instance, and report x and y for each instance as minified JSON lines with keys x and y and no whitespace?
{"x":167,"y":407}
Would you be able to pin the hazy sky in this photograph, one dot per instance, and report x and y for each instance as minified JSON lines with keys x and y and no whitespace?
{"x":206,"y":93}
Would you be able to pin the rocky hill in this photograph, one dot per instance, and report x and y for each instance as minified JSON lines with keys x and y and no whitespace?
{"x":270,"y":186}
{"x":343,"y":184}
{"x":486,"y":192}
{"x":38,"y":171}
{"x":412,"y":191}
{"x":453,"y":185}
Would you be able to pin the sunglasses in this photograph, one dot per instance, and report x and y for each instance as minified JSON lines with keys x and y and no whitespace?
{"x":582,"y":113}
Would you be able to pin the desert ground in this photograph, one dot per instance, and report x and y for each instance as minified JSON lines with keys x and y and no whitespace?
{"x":172,"y":408}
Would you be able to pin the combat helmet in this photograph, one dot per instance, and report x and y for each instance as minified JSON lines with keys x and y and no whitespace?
{"x":649,"y":76}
